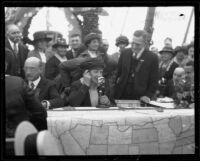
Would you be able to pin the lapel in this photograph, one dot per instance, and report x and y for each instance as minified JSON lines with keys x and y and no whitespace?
{"x":40,"y":87}
{"x":7,"y":43}
{"x":128,"y":60}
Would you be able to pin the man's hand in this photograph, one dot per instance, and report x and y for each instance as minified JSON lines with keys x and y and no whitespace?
{"x":145,"y":99}
{"x":86,"y":78}
{"x":44,"y":104}
{"x":104,"y":100}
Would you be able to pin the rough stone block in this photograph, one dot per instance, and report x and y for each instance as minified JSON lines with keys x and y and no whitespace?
{"x":99,"y":135}
{"x":97,"y":150}
{"x":120,"y":135}
{"x":133,"y":150}
{"x":117,"y":149}
{"x":166,"y":148}
{"x":149,"y":148}
{"x":145,"y":135}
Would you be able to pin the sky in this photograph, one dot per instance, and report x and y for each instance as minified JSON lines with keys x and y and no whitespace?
{"x":124,"y":21}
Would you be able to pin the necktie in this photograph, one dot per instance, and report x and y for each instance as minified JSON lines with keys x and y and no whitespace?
{"x":15,"y":49}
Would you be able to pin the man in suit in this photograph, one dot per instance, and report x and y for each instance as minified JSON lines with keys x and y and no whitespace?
{"x":18,"y":50}
{"x":75,"y":44}
{"x":21,"y":105}
{"x":137,"y":76}
{"x":45,"y":90}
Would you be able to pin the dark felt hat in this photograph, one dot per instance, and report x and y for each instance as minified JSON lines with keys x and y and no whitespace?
{"x":60,"y":42}
{"x":28,"y":141}
{"x":88,"y":38}
{"x":122,"y":40}
{"x":41,"y":35}
{"x":92,"y":63}
{"x":181,"y":49}
{"x":167,"y":49}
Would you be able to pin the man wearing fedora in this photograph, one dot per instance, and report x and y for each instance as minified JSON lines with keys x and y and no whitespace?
{"x":17,"y":49}
{"x":40,"y":42}
{"x":137,"y":77}
{"x":51,"y":67}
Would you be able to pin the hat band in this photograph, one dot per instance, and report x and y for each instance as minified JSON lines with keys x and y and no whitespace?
{"x":30,"y":147}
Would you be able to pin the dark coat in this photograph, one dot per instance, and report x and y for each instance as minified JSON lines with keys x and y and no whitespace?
{"x":169,"y":74}
{"x":21,"y":105}
{"x":17,"y":62}
{"x":146,"y":79}
{"x":70,"y":55}
{"x":169,"y":90}
{"x":51,"y":68}
{"x":46,"y":90}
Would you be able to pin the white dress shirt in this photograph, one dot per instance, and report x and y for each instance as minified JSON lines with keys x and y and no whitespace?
{"x":43,"y":57}
{"x":12,"y":45}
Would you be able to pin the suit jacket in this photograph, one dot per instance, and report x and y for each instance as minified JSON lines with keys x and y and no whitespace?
{"x":169,"y":74}
{"x":21,"y":105}
{"x":46,"y":90}
{"x":70,"y":55}
{"x":17,"y":61}
{"x":52,"y":68}
{"x":169,"y":90}
{"x":79,"y":94}
{"x":146,"y":79}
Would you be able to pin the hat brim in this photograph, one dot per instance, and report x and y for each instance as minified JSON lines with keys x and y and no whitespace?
{"x":47,"y":145}
{"x":56,"y":45}
{"x":46,"y":39}
{"x":23,"y":130}
{"x":167,"y":51}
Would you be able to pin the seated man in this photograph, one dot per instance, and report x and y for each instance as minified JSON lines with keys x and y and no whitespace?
{"x":86,"y":91}
{"x":45,"y":90}
{"x":175,"y":83}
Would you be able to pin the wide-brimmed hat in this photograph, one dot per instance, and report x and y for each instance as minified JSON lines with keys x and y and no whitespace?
{"x":41,"y":35}
{"x":181,"y":49}
{"x":28,"y":141}
{"x":122,"y":40}
{"x":60,"y":42}
{"x":88,"y":38}
{"x":167,"y":49}
{"x":92,"y":63}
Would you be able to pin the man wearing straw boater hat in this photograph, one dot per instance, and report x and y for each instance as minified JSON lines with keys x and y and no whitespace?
{"x":40,"y":42}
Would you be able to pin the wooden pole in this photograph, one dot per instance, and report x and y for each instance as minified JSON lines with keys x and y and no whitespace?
{"x":148,"y":27}
{"x":188,"y":27}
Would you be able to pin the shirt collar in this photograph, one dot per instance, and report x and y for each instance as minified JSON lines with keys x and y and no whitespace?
{"x":35,"y":82}
{"x":92,"y":54}
{"x":61,"y":59}
{"x":12,"y":43}
{"x":139,"y":54}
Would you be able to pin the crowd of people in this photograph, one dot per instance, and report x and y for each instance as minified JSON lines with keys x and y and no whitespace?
{"x":84,"y":74}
